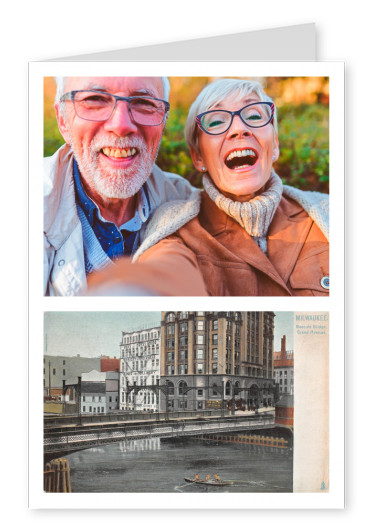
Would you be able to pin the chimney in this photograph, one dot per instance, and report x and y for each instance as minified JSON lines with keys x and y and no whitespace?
{"x":283,"y":348}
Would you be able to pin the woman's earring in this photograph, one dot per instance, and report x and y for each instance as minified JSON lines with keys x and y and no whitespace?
{"x":203,"y":168}
{"x":273,"y":158}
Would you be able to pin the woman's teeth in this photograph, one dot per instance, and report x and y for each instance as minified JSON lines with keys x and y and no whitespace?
{"x":119,"y":153}
{"x":241,"y":158}
{"x":241,"y":153}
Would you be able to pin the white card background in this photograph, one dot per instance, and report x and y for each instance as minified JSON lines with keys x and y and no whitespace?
{"x":333,"y":304}
{"x":37,"y":32}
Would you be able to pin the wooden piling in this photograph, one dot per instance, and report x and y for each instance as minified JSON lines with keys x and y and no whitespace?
{"x":57,"y":476}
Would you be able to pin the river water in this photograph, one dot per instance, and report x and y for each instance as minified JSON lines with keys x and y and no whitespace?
{"x":160,"y":465}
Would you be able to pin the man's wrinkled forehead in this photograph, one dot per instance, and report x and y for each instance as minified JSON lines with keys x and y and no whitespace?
{"x":151,"y":86}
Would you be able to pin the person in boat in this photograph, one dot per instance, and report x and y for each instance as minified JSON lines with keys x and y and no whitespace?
{"x":207,"y":477}
{"x":217,"y":478}
{"x":197,"y":478}
{"x":248,"y":234}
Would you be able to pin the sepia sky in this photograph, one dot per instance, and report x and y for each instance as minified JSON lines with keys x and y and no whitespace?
{"x":92,"y":334}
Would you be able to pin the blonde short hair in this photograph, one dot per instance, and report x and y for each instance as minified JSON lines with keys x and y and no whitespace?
{"x":213,"y":94}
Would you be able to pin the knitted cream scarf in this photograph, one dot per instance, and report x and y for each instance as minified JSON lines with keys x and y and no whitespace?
{"x":255,"y":215}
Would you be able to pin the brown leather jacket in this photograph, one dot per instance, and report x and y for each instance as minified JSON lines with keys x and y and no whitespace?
{"x":213,"y":255}
{"x":231,"y":263}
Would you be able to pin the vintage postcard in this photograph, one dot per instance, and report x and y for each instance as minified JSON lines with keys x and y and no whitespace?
{"x":190,"y":402}
{"x":202,"y":193}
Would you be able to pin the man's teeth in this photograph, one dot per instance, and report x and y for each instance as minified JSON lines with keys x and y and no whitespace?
{"x":241,"y":153}
{"x":119,"y":153}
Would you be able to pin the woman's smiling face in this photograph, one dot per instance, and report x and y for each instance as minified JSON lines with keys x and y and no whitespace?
{"x":239,"y":161}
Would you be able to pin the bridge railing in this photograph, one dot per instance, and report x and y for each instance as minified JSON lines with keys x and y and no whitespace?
{"x":69,"y":439}
{"x":51,"y":420}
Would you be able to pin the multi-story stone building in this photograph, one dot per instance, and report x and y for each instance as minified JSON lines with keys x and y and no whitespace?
{"x":140,"y":366}
{"x":210,"y":358}
{"x":284,"y":369}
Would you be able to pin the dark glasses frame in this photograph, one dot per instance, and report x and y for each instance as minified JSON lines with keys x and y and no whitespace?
{"x":236,"y":113}
{"x":71,"y":96}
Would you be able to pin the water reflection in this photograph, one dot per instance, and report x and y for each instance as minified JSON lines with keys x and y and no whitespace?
{"x":142,"y":445}
{"x":160,"y":465}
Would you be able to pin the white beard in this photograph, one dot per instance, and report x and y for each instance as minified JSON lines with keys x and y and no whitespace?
{"x":114,"y":183}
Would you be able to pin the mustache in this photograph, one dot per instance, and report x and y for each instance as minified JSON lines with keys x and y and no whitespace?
{"x":102,"y":141}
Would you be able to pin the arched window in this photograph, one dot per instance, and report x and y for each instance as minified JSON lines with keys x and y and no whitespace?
{"x":228,"y":388}
{"x":170,"y":318}
{"x":182,"y":387}
{"x":170,"y":387}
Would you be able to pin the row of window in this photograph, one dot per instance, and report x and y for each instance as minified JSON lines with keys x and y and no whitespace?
{"x":182,"y":387}
{"x":140,"y":365}
{"x":141,"y":349}
{"x":286,"y":390}
{"x":97,"y":398}
{"x":279,"y":373}
{"x":53,"y":371}
{"x":140,"y":380}
{"x":183,"y":340}
{"x":171,"y":317}
{"x":183,"y":327}
{"x":143,"y":336}
{"x":199,"y":368}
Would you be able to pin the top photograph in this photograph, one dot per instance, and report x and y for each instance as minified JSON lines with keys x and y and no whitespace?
{"x":186,"y":186}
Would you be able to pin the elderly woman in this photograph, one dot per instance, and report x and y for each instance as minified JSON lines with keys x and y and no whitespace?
{"x":247,"y":234}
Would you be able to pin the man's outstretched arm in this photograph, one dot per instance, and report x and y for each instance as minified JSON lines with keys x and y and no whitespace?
{"x":167,"y":269}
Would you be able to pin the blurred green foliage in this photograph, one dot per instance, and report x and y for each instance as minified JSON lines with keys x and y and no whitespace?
{"x":303,"y":141}
{"x":52,"y":137}
{"x":304,"y":146}
{"x":173,"y":154}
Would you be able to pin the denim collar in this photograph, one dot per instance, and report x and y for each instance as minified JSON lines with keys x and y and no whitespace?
{"x":105,"y":230}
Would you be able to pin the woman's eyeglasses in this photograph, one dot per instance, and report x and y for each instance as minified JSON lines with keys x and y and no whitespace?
{"x":254,"y":115}
{"x":98,"y":106}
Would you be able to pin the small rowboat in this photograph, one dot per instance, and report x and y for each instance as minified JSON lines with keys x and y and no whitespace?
{"x":211,"y":482}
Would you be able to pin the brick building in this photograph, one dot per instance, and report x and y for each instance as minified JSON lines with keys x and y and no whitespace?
{"x":207,"y":357}
{"x":110,"y":364}
{"x":284,"y":369}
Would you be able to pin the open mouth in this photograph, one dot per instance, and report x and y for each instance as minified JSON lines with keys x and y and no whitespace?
{"x":116,"y":153}
{"x":241,"y":158}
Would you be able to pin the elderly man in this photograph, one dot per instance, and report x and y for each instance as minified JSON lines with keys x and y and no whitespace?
{"x":102,"y":186}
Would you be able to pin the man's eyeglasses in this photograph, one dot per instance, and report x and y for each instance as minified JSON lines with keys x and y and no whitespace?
{"x":253,"y":115}
{"x":98,"y":106}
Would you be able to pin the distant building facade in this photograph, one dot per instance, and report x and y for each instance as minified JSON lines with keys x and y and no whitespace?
{"x":284,"y":369}
{"x":140,"y":366}
{"x":210,"y":358}
{"x":99,"y":392}
{"x":57,"y":369}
